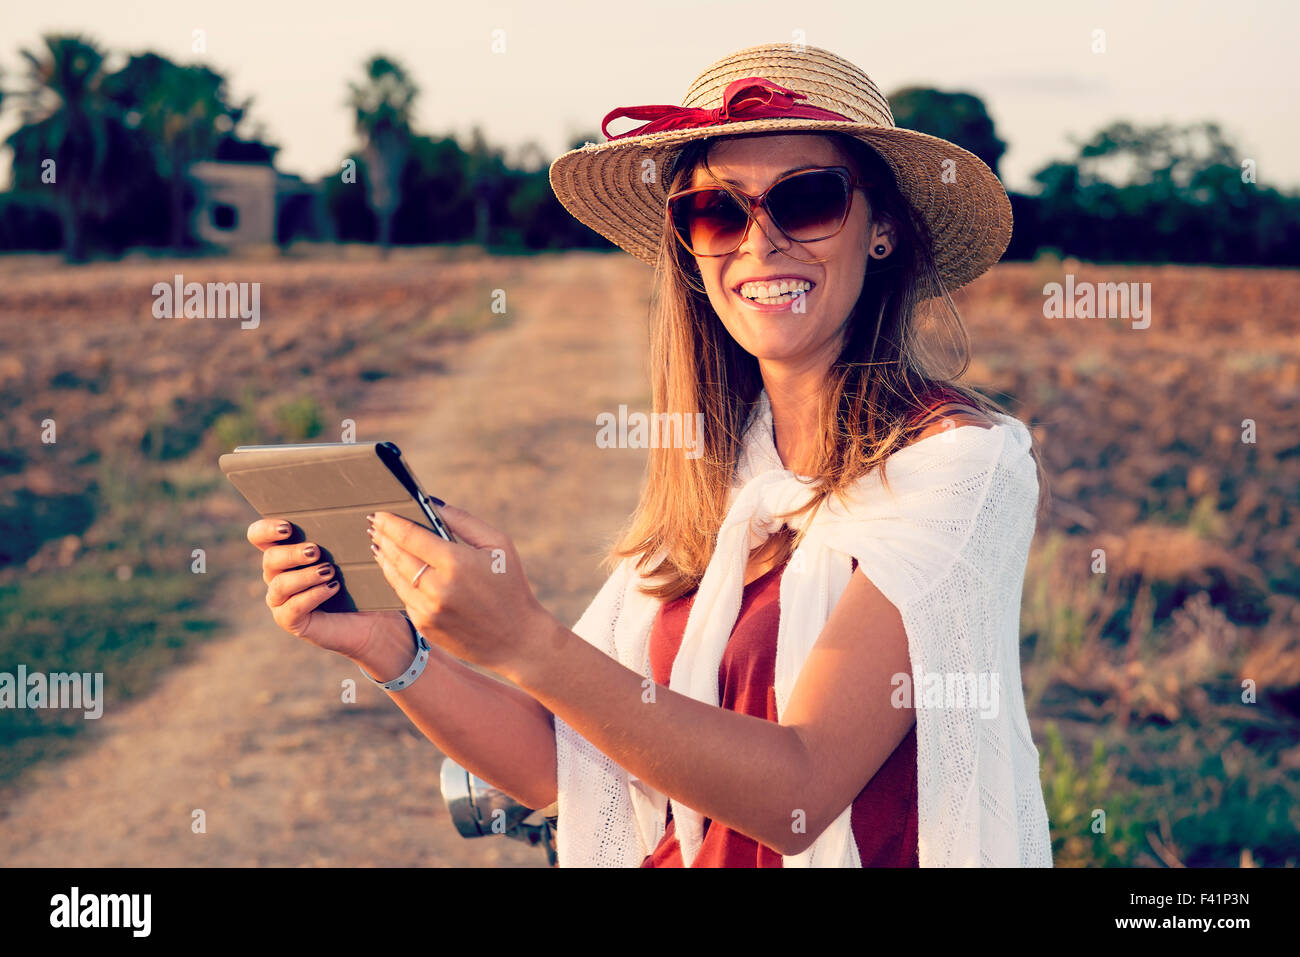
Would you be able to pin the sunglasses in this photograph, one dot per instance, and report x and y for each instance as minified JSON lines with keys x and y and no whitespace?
{"x":805,"y":205}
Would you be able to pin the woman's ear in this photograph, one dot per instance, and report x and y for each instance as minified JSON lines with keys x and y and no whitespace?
{"x":883,"y":234}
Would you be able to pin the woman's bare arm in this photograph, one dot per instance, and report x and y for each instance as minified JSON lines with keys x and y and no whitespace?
{"x":781,"y":783}
{"x":487,"y":726}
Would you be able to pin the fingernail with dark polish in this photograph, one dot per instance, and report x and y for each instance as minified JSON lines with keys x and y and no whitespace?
{"x":374,"y":549}
{"x":282,"y":528}
{"x":310,"y":551}
{"x":437,"y":501}
{"x":325,"y":570}
{"x":333,"y":584}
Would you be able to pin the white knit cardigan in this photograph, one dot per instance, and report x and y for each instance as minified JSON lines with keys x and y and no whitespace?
{"x":947,"y":543}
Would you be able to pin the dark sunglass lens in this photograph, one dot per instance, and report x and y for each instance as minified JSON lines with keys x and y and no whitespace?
{"x":710,"y":220}
{"x":810,"y":205}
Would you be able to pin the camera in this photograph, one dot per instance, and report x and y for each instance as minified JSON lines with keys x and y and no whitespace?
{"x":478,"y":809}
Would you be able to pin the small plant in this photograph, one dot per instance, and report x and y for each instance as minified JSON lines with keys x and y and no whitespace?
{"x":237,"y":428}
{"x":1205,"y":520}
{"x":1091,"y":819}
{"x":299,"y":419}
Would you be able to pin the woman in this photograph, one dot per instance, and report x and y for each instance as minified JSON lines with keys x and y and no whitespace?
{"x":801,"y":657}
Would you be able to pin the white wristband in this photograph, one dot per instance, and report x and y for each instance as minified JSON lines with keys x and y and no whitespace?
{"x":416,"y":667}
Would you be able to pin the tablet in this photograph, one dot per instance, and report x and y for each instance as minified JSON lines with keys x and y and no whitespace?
{"x":326,"y":490}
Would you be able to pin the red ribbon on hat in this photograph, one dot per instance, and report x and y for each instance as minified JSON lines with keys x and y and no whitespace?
{"x":750,"y":98}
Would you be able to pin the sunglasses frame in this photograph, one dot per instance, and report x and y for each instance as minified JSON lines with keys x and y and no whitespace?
{"x":751,"y":203}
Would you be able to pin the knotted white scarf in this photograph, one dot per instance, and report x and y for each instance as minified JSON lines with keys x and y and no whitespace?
{"x":947,"y":544}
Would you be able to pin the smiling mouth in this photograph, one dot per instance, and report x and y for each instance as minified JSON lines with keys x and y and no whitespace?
{"x":775,"y":293}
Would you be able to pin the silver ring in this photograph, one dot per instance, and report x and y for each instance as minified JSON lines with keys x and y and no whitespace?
{"x":416,"y":580}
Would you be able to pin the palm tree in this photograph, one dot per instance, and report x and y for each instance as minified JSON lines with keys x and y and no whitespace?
{"x":64,"y":110}
{"x":184,"y":111}
{"x":382,"y":108}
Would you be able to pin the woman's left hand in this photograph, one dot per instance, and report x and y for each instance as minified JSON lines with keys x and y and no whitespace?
{"x":473,"y":600}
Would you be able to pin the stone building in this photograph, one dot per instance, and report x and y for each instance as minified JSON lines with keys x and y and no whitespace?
{"x":239,"y":205}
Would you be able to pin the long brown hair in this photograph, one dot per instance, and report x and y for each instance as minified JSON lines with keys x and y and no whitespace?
{"x":868,"y":405}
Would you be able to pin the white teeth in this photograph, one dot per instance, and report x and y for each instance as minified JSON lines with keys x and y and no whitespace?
{"x":759,"y":290}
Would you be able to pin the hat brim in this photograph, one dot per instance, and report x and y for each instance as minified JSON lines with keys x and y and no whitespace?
{"x":963,"y":204}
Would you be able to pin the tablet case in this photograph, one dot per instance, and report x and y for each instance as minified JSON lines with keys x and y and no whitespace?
{"x":326,"y":490}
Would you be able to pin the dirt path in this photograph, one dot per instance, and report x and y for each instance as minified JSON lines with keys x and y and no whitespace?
{"x":253,"y":731}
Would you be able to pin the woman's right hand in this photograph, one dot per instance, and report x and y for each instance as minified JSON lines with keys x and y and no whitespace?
{"x":298,"y":580}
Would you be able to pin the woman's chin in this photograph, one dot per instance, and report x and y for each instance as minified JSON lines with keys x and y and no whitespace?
{"x":774,"y":339}
{"x":775,"y":354}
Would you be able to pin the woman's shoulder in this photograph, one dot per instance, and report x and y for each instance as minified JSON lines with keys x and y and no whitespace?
{"x":953,"y":439}
{"x":958,"y":450}
{"x":952,"y":414}
{"x":941,"y":407}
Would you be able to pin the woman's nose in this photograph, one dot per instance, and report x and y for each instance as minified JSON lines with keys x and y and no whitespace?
{"x":761,"y":234}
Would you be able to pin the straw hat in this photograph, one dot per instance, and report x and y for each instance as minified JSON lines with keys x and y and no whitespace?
{"x":788,"y":88}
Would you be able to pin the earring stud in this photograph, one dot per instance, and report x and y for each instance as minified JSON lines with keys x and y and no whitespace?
{"x":880,"y":249}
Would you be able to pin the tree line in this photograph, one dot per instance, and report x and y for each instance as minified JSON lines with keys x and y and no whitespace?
{"x":101,"y":159}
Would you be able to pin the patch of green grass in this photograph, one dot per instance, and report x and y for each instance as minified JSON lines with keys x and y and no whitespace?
{"x":1251,"y":362}
{"x":86,"y":619}
{"x":1205,"y":519}
{"x":1058,"y":614}
{"x":293,"y":420}
{"x":1090,"y":812}
{"x":124,"y":604}
{"x":299,"y":419}
{"x":1216,"y":795}
{"x":179,"y":431}
{"x":237,"y":428}
{"x":185,"y":484}
{"x":28,"y":521}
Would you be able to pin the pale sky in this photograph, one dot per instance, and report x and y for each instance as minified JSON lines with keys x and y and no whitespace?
{"x":568,"y":62}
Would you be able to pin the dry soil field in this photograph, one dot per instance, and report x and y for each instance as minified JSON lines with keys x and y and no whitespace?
{"x":1134,"y":676}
